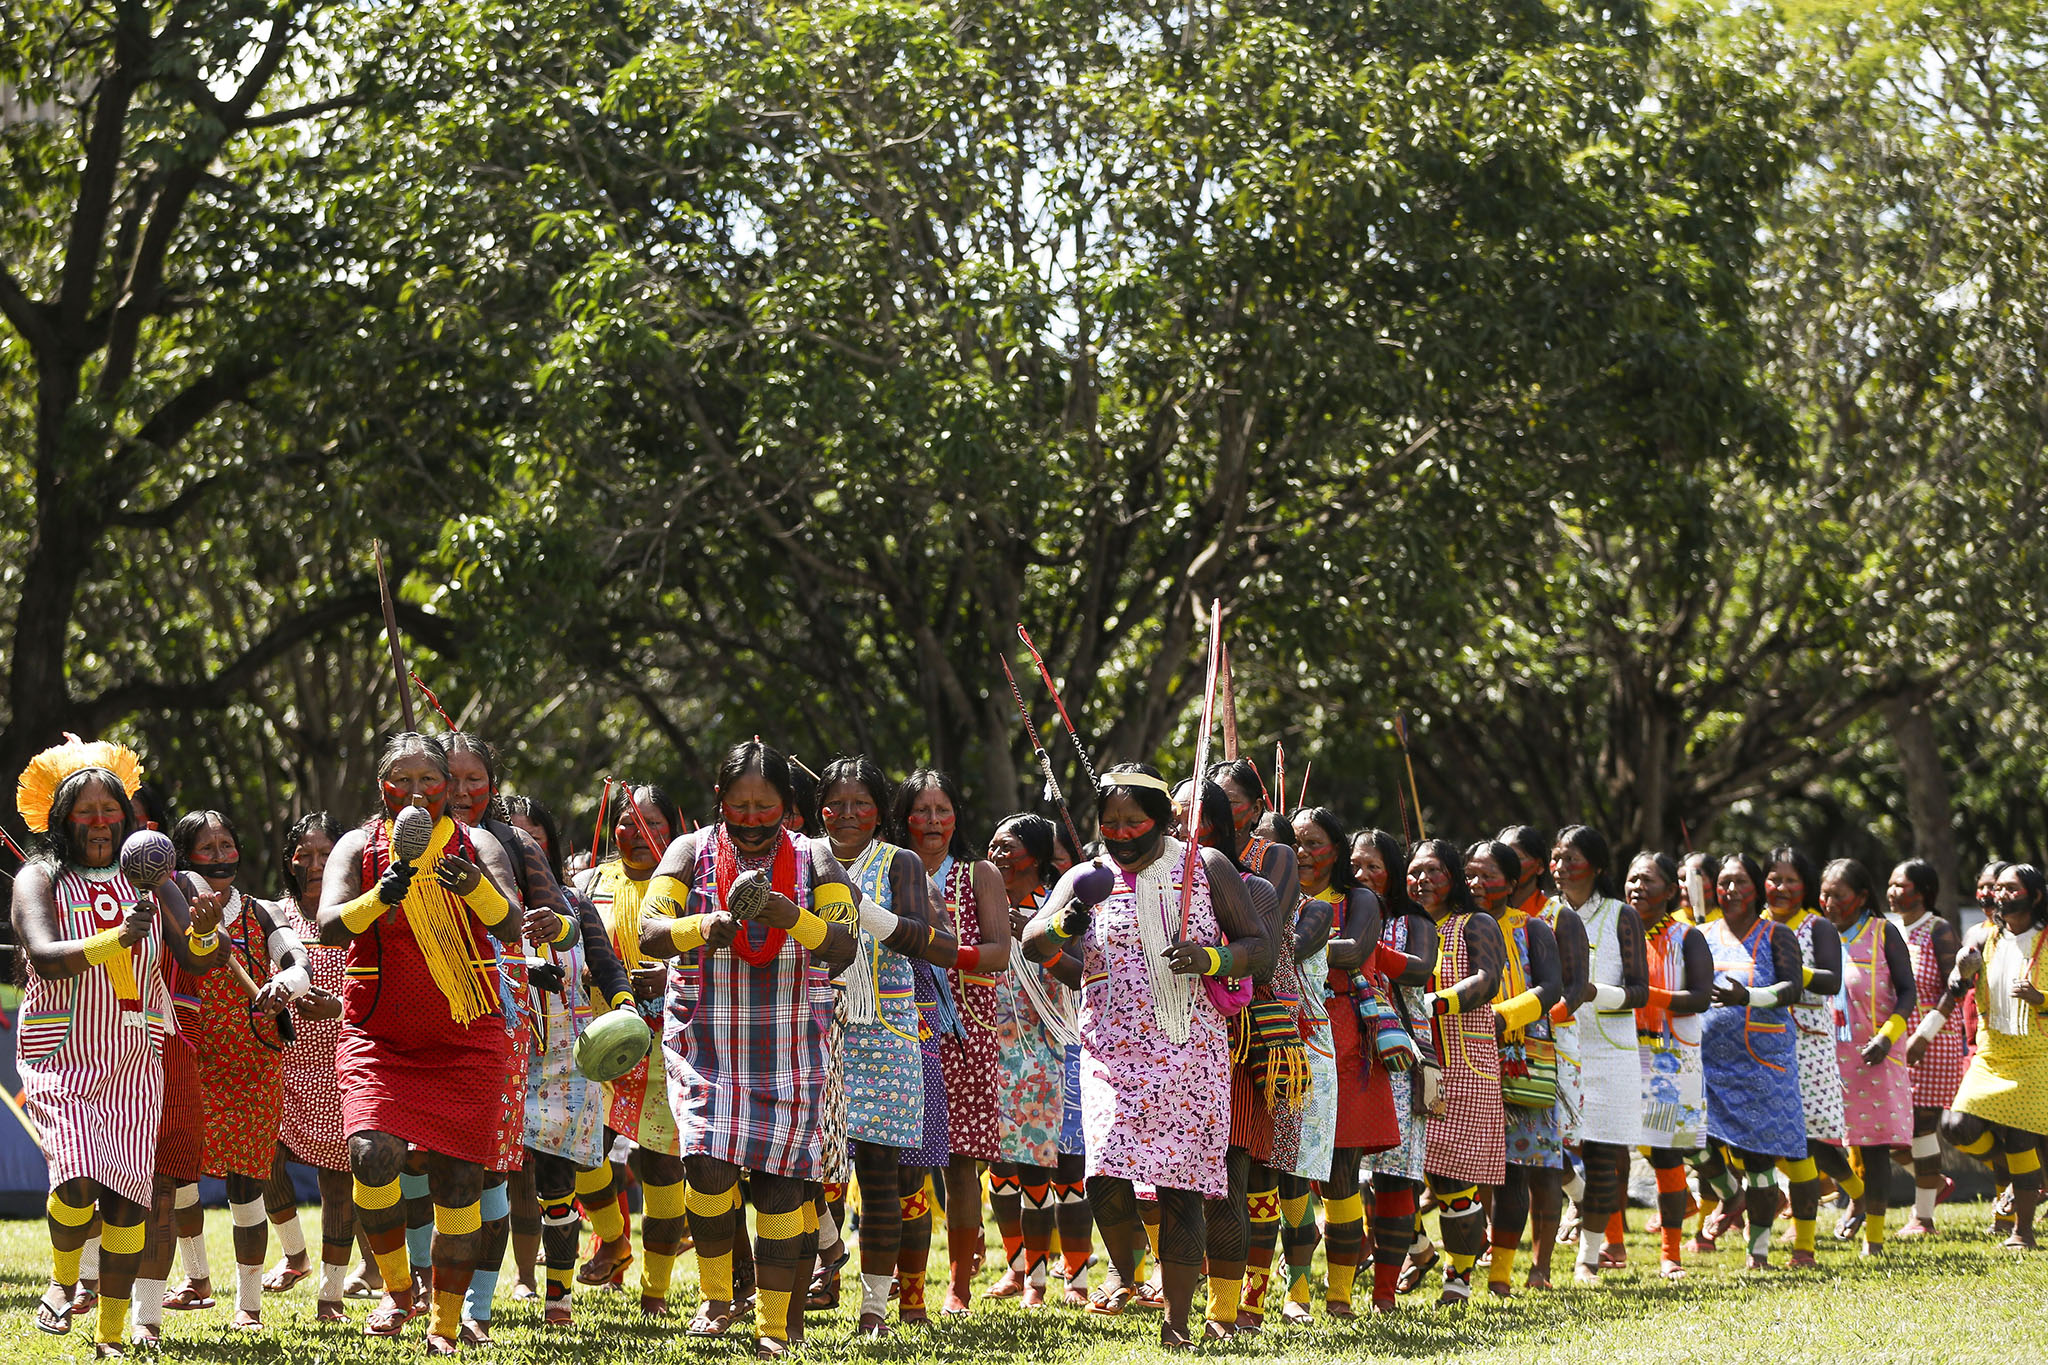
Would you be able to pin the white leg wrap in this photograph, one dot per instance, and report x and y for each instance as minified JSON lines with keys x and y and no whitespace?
{"x":186,"y":1197}
{"x":146,"y":1302}
{"x":89,"y":1259}
{"x":874,"y":1295}
{"x":1590,"y":1239}
{"x":249,"y":1288}
{"x":332,"y":1278}
{"x":291,"y":1235}
{"x":192,"y":1253}
{"x":1926,"y":1145}
{"x":249,"y":1215}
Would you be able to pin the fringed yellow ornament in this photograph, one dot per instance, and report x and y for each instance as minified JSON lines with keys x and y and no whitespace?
{"x":36,"y":789}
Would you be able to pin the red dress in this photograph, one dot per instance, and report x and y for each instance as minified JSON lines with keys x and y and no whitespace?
{"x":181,"y":1133}
{"x":240,"y":1077}
{"x":1365,"y":1097}
{"x":972,"y":1071}
{"x":309,"y":1121}
{"x":406,"y":1067}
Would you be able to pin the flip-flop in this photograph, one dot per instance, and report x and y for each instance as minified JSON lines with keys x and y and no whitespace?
{"x":598,"y":1274}
{"x":54,"y":1317}
{"x":709,"y":1323}
{"x":387,"y":1320}
{"x":85,"y":1301}
{"x":283,"y":1276}
{"x":1110,"y":1302}
{"x":186,"y":1299}
{"x":1414,"y":1272}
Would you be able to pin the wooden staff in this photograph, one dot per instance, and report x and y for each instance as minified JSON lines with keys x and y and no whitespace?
{"x":597,"y":834}
{"x":1306,"y":769}
{"x":1052,"y":784}
{"x":1279,"y":777}
{"x":1401,"y":733}
{"x":1229,"y":709}
{"x":391,"y":635}
{"x":1187,"y":880}
{"x":1073,"y":731}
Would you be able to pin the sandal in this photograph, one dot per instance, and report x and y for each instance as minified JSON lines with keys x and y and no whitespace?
{"x":387,"y":1319}
{"x":597,"y":1272}
{"x":325,"y":1311}
{"x":53,"y":1313}
{"x":1110,"y":1301}
{"x":85,"y":1301}
{"x":108,"y":1350}
{"x":442,"y":1346}
{"x":1850,"y":1223}
{"x":476,"y":1333}
{"x":711,"y":1322}
{"x":1150,"y":1297}
{"x":1296,"y":1314}
{"x":824,"y":1291}
{"x":1413,"y":1273}
{"x":872,"y":1326}
{"x":1216,"y":1331}
{"x":356,"y":1287}
{"x":1173,"y":1339}
{"x":186,"y":1299}
{"x":283,"y":1276}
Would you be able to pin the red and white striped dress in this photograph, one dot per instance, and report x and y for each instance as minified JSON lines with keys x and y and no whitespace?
{"x":309,"y":1124}
{"x":92,"y":1068}
{"x":1940,"y":1072}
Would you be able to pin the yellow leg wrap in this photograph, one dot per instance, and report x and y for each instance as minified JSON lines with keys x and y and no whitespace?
{"x":1802,"y":1169}
{"x":1803,"y":1230}
{"x":1294,"y":1210}
{"x":771,"y":1313}
{"x":1225,"y":1295}
{"x":595,"y":1181}
{"x":918,"y":1203}
{"x":775,"y":1227}
{"x":562,"y":1277}
{"x":1297,"y":1289}
{"x":1873,"y":1232}
{"x":113,"y":1320}
{"x":447,"y":1316}
{"x":119,"y":1241}
{"x":1341,"y":1278}
{"x":68,"y":1215}
{"x":2024,"y":1162}
{"x":1501,"y":1269}
{"x":1460,"y":1261}
{"x":374,"y":1197}
{"x":1349,"y":1209}
{"x":458,"y":1220}
{"x":605,"y":1219}
{"x":714,"y":1275}
{"x":696,"y":1200}
{"x":64,"y":1265}
{"x":1977,"y":1146}
{"x":810,"y":1217}
{"x":656,"y":1271}
{"x":396,"y":1268}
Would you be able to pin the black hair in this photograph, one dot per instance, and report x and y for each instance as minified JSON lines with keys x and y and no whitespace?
{"x":321,"y":820}
{"x":1065,"y":839}
{"x":1343,"y":877}
{"x":537,"y":811}
{"x":1751,"y":868}
{"x":1504,"y":855}
{"x":185,"y":834}
{"x":1925,"y":879}
{"x":403,"y":743}
{"x":809,"y":796}
{"x":1860,"y":881}
{"x":916,"y":785}
{"x":1275,"y":827}
{"x":1241,"y":773}
{"x":1993,"y":869}
{"x":1037,"y":834}
{"x":1155,"y":803}
{"x":752,"y":758}
{"x":1217,"y":818}
{"x":1592,"y":846}
{"x":655,"y":797}
{"x":1446,"y":852}
{"x":55,"y":850}
{"x":1809,"y":876}
{"x":2037,"y":891}
{"x":1529,"y":843}
{"x":463,"y":742}
{"x":149,"y":806}
{"x":868,"y":773}
{"x":1394,"y":853}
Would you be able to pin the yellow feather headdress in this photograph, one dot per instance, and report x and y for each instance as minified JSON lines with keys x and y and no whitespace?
{"x":36,"y":790}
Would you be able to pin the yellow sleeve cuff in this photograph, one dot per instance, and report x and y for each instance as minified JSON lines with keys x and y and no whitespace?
{"x":362,"y":912}
{"x":102,"y":947}
{"x":570,"y":924}
{"x":1519,"y":1012}
{"x":624,"y":999}
{"x":487,"y":903}
{"x":809,"y":930}
{"x":1806,"y":976}
{"x":687,"y":933}
{"x":1894,"y":1029}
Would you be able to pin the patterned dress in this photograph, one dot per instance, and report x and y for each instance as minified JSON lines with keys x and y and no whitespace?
{"x":1031,"y":1052}
{"x":1747,"y":1053}
{"x":1940,"y":1070}
{"x":1305,"y":1139}
{"x":1532,"y":1136}
{"x":973,"y":1111}
{"x":935,"y":1144}
{"x":1251,"y":1120}
{"x":1155,"y":1112}
{"x":240,"y":1076}
{"x":91,"y":1062}
{"x":1877,"y":1101}
{"x":309,"y":1120}
{"x":2008,"y":1077}
{"x":405,"y":1066}
{"x":745,"y":1035}
{"x":564,"y":1108}
{"x":1820,"y":1076}
{"x":1571,"y":1091}
{"x":883,"y":1066}
{"x":1674,"y":1086}
{"x":636,"y":1104}
{"x":1407,"y":1157}
{"x":1610,"y":1063}
{"x":1469,"y":1141}
{"x":181,"y":1131}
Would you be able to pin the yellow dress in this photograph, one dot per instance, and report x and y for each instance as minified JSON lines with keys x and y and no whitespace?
{"x":2007,"y":1082}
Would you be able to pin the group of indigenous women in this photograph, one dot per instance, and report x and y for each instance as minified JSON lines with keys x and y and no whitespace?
{"x":1184,"y":1039}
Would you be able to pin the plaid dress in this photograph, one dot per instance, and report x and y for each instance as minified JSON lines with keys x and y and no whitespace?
{"x":745,"y":1045}
{"x":1469,"y":1142}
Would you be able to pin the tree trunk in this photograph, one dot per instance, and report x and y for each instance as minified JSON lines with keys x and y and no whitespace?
{"x":1929,"y":807}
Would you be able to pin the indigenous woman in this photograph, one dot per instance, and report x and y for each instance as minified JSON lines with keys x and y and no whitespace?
{"x":1076,"y":1225}
{"x":1155,"y":1059}
{"x":424,"y":1052}
{"x":563,"y":1132}
{"x":95,"y":1013}
{"x":240,"y":1043}
{"x":1747,"y":1050}
{"x":1934,"y":1049}
{"x":309,"y":1119}
{"x":2002,"y":1104}
{"x":749,"y":1007}
{"x":1035,"y":1022}
{"x":1668,"y":1032}
{"x":1304,"y":1138}
{"x":876,"y":1020}
{"x":975,"y":911}
{"x":1876,"y":1000}
{"x":1466,"y":1140}
{"x":637,"y":1105}
{"x":1546,"y":1186}
{"x":1610,"y":1064}
{"x":1398,"y":990}
{"x":1532,"y":981}
{"x":1792,"y":890}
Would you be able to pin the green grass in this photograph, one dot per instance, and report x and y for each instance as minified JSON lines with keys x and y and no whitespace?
{"x":1958,"y":1298}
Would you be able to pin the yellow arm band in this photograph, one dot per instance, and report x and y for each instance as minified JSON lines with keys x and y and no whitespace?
{"x":834,"y":901}
{"x":200,"y":944}
{"x":103,"y":947}
{"x":809,"y":930}
{"x":360,"y":913}
{"x":458,"y":1220}
{"x":1894,"y":1029}
{"x":570,"y":924}
{"x":1806,"y":976}
{"x":487,"y":903}
{"x":1519,"y":1012}
{"x":687,"y":933}
{"x":625,"y":998}
{"x":665,"y":896}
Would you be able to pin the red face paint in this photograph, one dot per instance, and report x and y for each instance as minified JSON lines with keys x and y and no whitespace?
{"x":931,"y":826}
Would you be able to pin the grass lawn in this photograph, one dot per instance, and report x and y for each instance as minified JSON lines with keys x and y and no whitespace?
{"x":1959,"y":1298}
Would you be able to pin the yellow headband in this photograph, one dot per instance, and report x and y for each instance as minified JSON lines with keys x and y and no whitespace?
{"x":36,"y":790}
{"x":1145,"y":780}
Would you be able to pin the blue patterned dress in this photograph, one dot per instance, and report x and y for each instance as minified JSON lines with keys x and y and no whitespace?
{"x":883,"y":1066}
{"x":1748,"y":1053}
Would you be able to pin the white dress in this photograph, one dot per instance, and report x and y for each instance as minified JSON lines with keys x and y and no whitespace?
{"x":1610,"y":1061}
{"x":1820,"y":1074}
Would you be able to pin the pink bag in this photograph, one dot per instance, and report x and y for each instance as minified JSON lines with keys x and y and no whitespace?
{"x":1229,"y":997}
